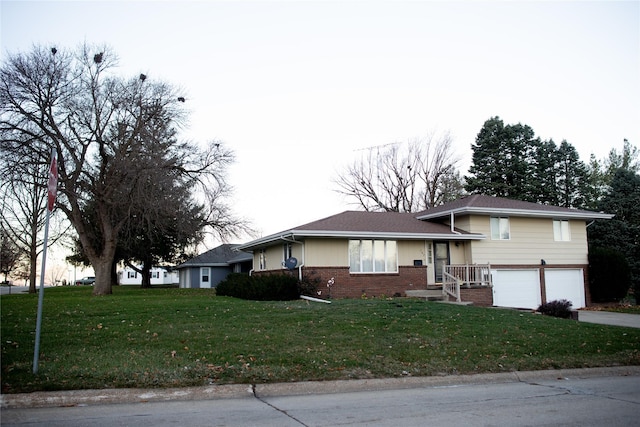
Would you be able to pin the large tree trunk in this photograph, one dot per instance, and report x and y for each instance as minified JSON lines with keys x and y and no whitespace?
{"x":33,"y":265}
{"x":103,"y":263}
{"x":146,"y":275}
{"x":114,"y":273}
{"x":102,"y":268}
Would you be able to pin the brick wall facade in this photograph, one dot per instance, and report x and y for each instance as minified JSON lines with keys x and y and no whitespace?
{"x":347,"y":285}
{"x":481,"y":296}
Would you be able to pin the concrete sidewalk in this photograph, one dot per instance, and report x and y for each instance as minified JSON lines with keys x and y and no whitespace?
{"x":609,"y":318}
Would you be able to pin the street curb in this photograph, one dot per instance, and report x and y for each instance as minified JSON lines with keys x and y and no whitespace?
{"x":44,"y":399}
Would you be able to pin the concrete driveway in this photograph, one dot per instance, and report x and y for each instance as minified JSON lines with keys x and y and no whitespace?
{"x":609,"y":318}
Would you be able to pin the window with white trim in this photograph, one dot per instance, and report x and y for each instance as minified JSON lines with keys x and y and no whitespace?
{"x":373,"y":256}
{"x":155,"y":274}
{"x":561,"y":230}
{"x":500,"y":229}
{"x":263,"y":259}
{"x":132,"y":274}
{"x":287,"y":252}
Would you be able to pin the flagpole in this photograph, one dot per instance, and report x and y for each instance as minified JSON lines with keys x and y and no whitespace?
{"x":52,"y":187}
{"x":36,"y":351}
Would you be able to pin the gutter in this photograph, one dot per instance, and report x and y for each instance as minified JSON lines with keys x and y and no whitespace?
{"x":534,"y":213}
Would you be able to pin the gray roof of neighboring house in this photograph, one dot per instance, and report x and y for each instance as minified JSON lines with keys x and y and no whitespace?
{"x":488,"y":205}
{"x":221,"y":256}
{"x":367,"y":225}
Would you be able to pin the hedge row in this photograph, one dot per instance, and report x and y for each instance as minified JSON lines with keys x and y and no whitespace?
{"x":271,"y":287}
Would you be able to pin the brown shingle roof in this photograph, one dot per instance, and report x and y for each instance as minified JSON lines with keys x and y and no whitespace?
{"x":366,"y":225}
{"x":358,"y":221}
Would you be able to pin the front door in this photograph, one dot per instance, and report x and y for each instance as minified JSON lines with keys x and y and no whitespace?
{"x":441,"y":250}
{"x":205,"y":277}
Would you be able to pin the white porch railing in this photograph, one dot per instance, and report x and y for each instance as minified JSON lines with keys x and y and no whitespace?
{"x":450,"y":286}
{"x":455,"y":276}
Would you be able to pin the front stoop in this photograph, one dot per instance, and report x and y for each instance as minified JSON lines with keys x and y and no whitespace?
{"x":434,"y":295}
{"x":428,"y":294}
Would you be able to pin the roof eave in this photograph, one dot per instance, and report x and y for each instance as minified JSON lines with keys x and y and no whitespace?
{"x":202,"y":264}
{"x":293,"y":234}
{"x":519,"y":212}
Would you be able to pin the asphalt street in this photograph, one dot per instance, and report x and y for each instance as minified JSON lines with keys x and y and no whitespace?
{"x":605,"y":396}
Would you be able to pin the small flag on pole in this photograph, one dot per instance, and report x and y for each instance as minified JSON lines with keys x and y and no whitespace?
{"x":52,"y":187}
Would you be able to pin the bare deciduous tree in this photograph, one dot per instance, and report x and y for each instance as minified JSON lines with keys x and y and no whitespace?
{"x":10,"y":255}
{"x":98,"y":124}
{"x":22,"y":202}
{"x":403,"y":177}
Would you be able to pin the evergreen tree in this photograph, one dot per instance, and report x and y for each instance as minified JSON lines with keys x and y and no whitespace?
{"x":510,"y":161}
{"x":500,"y":156}
{"x":628,"y":159}
{"x":622,"y":233}
{"x":546,"y":173}
{"x":596,"y":185}
{"x":572,"y":178}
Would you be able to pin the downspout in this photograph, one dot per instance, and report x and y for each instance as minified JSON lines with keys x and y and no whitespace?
{"x":453,"y":224}
{"x":252,"y":262}
{"x":302,"y":263}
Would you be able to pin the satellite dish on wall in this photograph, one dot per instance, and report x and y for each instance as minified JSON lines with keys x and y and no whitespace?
{"x":291,"y":263}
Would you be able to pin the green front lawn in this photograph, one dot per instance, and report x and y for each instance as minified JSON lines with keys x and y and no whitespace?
{"x":189,"y":337}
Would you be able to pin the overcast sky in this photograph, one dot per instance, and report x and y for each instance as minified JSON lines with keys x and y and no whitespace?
{"x":297,"y":88}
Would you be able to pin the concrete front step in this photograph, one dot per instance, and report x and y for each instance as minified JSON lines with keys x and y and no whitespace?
{"x":428,"y":294}
{"x":434,"y":295}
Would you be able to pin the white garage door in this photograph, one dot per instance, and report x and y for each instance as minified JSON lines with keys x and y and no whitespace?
{"x":566,"y":284}
{"x":516,"y":288}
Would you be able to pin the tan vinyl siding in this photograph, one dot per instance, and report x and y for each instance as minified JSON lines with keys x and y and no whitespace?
{"x":326,"y":253}
{"x":531,"y":240}
{"x":462,"y":222}
{"x":411,"y":250}
{"x":274,"y":256}
{"x":458,"y":254}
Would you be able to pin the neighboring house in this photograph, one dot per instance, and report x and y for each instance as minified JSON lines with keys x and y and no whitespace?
{"x":210,"y":268}
{"x":487,"y":250}
{"x":159,"y":276}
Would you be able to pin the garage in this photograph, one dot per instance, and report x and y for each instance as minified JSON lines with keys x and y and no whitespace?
{"x":565,"y":283}
{"x":516,"y":288}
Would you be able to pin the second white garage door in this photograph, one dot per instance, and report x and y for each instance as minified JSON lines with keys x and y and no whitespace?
{"x":516,"y":288}
{"x":565,"y":283}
